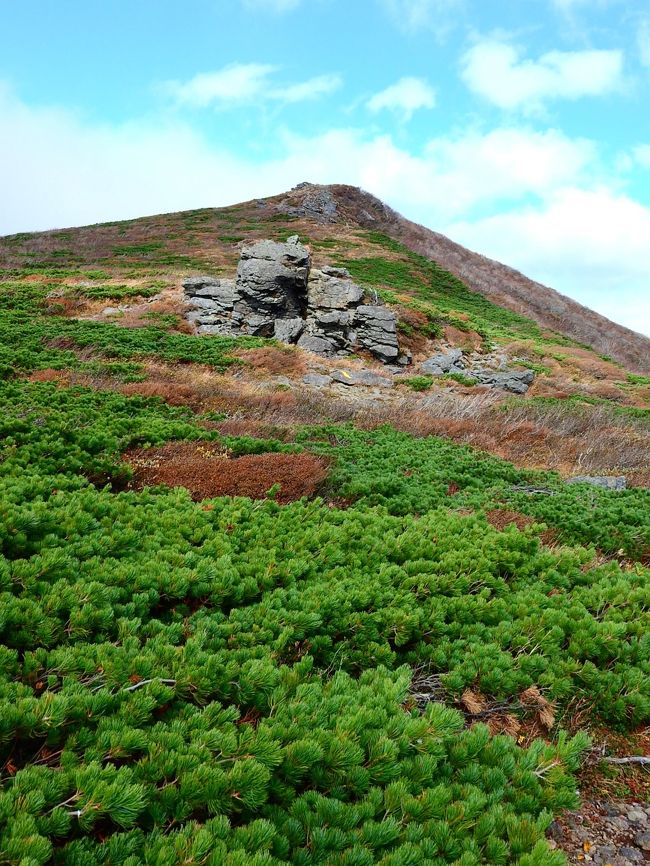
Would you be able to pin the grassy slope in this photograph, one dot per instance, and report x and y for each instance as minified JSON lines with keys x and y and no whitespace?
{"x":230,"y":682}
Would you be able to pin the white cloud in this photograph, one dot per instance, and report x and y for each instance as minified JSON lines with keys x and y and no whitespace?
{"x":242,"y":83}
{"x":239,"y":82}
{"x":495,"y":70}
{"x":581,"y":238}
{"x":422,"y":14}
{"x":320,"y":85}
{"x":641,"y":155}
{"x":405,"y":97}
{"x":589,"y":244}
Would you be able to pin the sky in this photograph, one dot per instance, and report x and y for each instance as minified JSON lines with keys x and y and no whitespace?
{"x":519,"y":128}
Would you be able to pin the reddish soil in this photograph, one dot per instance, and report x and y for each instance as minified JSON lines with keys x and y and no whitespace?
{"x":206,"y":470}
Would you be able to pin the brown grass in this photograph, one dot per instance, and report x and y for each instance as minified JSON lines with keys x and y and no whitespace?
{"x":275,"y":360}
{"x":206,"y":470}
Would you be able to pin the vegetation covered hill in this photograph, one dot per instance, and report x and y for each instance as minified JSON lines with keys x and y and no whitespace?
{"x":402,"y":666}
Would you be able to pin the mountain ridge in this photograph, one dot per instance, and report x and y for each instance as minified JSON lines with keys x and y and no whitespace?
{"x":520,"y":294}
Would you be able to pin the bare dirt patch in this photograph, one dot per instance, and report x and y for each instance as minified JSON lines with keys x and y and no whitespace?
{"x":206,"y":470}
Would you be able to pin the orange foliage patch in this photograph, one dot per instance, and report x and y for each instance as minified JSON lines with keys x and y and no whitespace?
{"x":276,"y":360}
{"x":206,"y":470}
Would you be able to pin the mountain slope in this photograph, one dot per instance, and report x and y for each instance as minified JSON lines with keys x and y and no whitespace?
{"x":501,"y":284}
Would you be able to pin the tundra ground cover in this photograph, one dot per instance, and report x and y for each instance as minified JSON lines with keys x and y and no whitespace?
{"x":228,"y":682}
{"x":239,"y":682}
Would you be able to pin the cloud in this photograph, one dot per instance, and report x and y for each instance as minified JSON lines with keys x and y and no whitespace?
{"x":495,"y":70}
{"x":590,"y":244}
{"x":416,"y":15}
{"x":242,"y":83}
{"x":239,"y":82}
{"x":641,"y":155}
{"x":310,"y":89}
{"x":532,"y":199}
{"x":405,"y":97}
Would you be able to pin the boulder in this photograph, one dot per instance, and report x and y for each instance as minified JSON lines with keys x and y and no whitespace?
{"x":316,"y":344}
{"x":272,"y":283}
{"x":332,"y":289}
{"x":446,"y":362}
{"x":317,"y":379}
{"x":608,"y":482}
{"x":288,"y":330}
{"x":376,"y":330}
{"x":361,"y":377}
{"x":516,"y":381}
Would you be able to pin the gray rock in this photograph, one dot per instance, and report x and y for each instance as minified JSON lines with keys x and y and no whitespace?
{"x":643,"y":841}
{"x":272,"y":277}
{"x":608,"y":482}
{"x":516,"y":381}
{"x":361,"y":377}
{"x":318,"y":204}
{"x":633,"y":855}
{"x":318,"y":345}
{"x":199,"y":285}
{"x":437,"y":365}
{"x":636,"y":816}
{"x":288,"y":330}
{"x":332,"y":271}
{"x":376,"y":330}
{"x":317,"y":379}
{"x":219,"y":329}
{"x":277,"y":294}
{"x":332,"y":291}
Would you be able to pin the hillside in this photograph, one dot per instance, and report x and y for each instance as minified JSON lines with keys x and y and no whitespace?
{"x":262,"y":606}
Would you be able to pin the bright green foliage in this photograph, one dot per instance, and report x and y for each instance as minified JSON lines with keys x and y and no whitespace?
{"x":461,"y":378}
{"x":438,"y":292}
{"x":417,"y":383}
{"x":113,"y":292}
{"x":408,"y":475}
{"x":28,"y":339}
{"x":231,"y":685}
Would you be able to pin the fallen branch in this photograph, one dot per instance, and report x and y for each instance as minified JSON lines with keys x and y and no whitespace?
{"x":146,"y":683}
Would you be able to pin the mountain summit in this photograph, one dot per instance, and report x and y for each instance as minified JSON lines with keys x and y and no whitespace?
{"x":341,"y":205}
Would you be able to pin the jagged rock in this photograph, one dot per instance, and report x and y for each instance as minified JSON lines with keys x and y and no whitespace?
{"x":288,"y":330}
{"x":516,"y":381}
{"x":318,"y":345}
{"x":608,"y":482}
{"x":271,"y":284}
{"x":446,"y":362}
{"x":332,"y":290}
{"x":376,"y":330}
{"x":333,"y":271}
{"x":277,"y":294}
{"x":318,"y":205}
{"x":317,"y":379}
{"x":361,"y":377}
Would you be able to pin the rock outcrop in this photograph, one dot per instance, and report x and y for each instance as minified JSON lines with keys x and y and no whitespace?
{"x":278,"y":294}
{"x":607,"y":482}
{"x":452,"y":361}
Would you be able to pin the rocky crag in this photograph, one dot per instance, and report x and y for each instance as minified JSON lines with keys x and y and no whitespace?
{"x":277,"y":293}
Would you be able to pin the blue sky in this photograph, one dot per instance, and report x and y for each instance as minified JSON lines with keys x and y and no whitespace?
{"x":520,"y":128}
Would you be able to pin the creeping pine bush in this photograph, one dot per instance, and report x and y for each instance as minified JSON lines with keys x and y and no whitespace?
{"x":228,"y":682}
{"x":28,"y":338}
{"x":407,"y":475}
